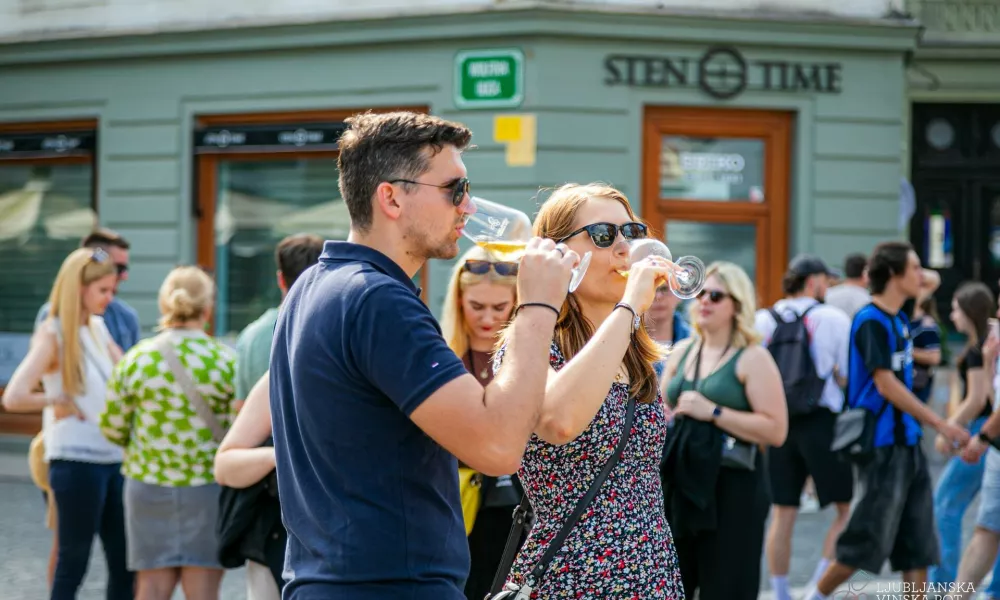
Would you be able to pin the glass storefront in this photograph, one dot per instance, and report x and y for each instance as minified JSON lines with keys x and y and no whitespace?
{"x":259,"y":182}
{"x":47,"y":205}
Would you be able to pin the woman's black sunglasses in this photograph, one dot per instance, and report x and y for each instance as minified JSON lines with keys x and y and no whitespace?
{"x":715,"y":296}
{"x":459,"y":188}
{"x":482,"y":267}
{"x":605,"y":234}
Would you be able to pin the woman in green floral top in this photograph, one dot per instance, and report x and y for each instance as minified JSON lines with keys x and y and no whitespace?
{"x":171,"y":498}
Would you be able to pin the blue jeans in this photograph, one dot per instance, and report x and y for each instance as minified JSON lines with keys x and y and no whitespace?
{"x":89,"y":502}
{"x":957,"y":488}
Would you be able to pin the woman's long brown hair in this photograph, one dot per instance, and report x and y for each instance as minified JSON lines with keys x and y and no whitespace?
{"x":557,"y":219}
{"x":975,"y":299}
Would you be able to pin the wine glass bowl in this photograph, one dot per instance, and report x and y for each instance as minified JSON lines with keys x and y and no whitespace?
{"x":687,"y":281}
{"x":504,"y":233}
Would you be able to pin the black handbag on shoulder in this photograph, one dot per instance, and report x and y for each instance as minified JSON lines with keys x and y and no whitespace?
{"x":247,"y":522}
{"x":523,"y":518}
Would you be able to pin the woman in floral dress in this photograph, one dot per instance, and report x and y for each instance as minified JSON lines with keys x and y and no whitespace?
{"x":621,"y":547}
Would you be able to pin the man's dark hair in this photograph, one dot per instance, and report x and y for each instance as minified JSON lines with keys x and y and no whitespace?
{"x":793,"y":283}
{"x":854,"y":265}
{"x":104,"y":238}
{"x":296,"y":253}
{"x":382,"y":147}
{"x":889,"y":259}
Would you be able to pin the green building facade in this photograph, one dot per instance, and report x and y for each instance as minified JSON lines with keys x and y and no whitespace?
{"x":745,"y":139}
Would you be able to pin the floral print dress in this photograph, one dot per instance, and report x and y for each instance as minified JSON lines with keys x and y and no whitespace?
{"x":622,"y":546}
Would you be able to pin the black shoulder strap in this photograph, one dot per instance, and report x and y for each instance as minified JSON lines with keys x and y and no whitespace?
{"x":523,"y":513}
{"x":774,"y":314}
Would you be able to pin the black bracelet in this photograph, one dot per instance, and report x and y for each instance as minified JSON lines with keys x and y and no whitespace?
{"x":548,"y":306}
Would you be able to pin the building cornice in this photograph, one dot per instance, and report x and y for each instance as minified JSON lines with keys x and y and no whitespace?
{"x":535,"y":19}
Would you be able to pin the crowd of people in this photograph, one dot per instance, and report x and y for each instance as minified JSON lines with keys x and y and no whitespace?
{"x":604,"y":443}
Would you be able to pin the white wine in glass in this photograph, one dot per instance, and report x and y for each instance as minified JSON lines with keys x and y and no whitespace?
{"x":508,"y":251}
{"x":685,"y":283}
{"x":504,"y":233}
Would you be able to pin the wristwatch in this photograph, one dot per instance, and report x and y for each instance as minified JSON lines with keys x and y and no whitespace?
{"x":716,"y":413}
{"x":636,"y":322}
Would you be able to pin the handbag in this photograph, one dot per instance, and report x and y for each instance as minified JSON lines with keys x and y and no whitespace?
{"x":737,"y":454}
{"x":470,"y":484}
{"x":247,"y":521}
{"x":854,"y":434}
{"x":165,"y":345}
{"x":523,"y":518}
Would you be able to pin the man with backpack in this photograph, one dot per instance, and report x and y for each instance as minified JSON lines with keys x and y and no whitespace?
{"x":809,"y":343}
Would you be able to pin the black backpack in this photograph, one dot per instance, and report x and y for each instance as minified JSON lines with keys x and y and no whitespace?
{"x":789,"y":346}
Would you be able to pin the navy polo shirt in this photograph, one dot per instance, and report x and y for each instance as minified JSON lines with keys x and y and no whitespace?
{"x":880,"y":340}
{"x":370,"y":502}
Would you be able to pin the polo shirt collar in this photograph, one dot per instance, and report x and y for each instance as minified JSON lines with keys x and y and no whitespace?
{"x":335,"y":251}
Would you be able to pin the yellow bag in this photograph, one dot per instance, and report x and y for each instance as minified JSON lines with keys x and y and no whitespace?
{"x":39,"y":470}
{"x":470,"y":485}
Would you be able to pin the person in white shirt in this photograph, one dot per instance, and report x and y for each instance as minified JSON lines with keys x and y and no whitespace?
{"x":813,"y":409}
{"x":852,"y":295}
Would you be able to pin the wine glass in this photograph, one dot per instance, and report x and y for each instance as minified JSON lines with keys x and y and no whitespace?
{"x":504,"y":233}
{"x":685,"y":283}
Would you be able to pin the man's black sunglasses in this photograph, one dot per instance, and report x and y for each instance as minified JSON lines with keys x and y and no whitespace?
{"x":482,"y":267}
{"x":605,"y":234}
{"x":459,"y":188}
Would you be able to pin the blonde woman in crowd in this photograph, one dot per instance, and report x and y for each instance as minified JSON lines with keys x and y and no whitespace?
{"x":169,"y":402}
{"x":602,"y":370}
{"x":481,"y":295}
{"x":728,"y":404}
{"x":72,"y":356}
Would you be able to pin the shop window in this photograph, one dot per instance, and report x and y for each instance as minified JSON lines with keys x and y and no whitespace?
{"x":47,"y":205}
{"x":261,"y":178}
{"x":715,"y":185}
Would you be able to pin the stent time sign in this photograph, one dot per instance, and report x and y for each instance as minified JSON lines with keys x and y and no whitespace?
{"x":722,"y":72}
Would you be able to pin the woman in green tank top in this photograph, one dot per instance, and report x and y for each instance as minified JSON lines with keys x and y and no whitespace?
{"x":723,"y":389}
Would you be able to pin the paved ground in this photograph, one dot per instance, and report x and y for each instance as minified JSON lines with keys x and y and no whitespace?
{"x":24,"y":551}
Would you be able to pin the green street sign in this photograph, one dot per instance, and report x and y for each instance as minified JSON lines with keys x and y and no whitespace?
{"x":489,"y":78}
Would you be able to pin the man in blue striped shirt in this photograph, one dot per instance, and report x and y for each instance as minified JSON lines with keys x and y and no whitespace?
{"x":122,"y":320}
{"x":894,"y":518}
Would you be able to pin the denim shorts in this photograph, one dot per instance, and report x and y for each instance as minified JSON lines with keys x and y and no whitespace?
{"x":171,"y":526}
{"x":989,"y":494}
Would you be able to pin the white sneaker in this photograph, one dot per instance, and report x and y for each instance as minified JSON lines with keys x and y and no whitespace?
{"x":808,"y":503}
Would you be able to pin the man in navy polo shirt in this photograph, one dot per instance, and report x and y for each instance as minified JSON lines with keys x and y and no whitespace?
{"x":894,"y":518}
{"x":370,"y":407}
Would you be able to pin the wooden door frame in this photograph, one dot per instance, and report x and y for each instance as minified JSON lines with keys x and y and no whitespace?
{"x":770,"y":217}
{"x":31,"y":423}
{"x":207,"y":165}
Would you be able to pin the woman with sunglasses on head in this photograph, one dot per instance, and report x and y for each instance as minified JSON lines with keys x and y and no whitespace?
{"x":602,"y":374}
{"x":481,"y":295}
{"x":71,"y":357}
{"x":728,"y":402}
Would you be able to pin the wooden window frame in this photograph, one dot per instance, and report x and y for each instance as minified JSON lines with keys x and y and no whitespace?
{"x":770,"y":217}
{"x":207,"y":165}
{"x":31,"y":423}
